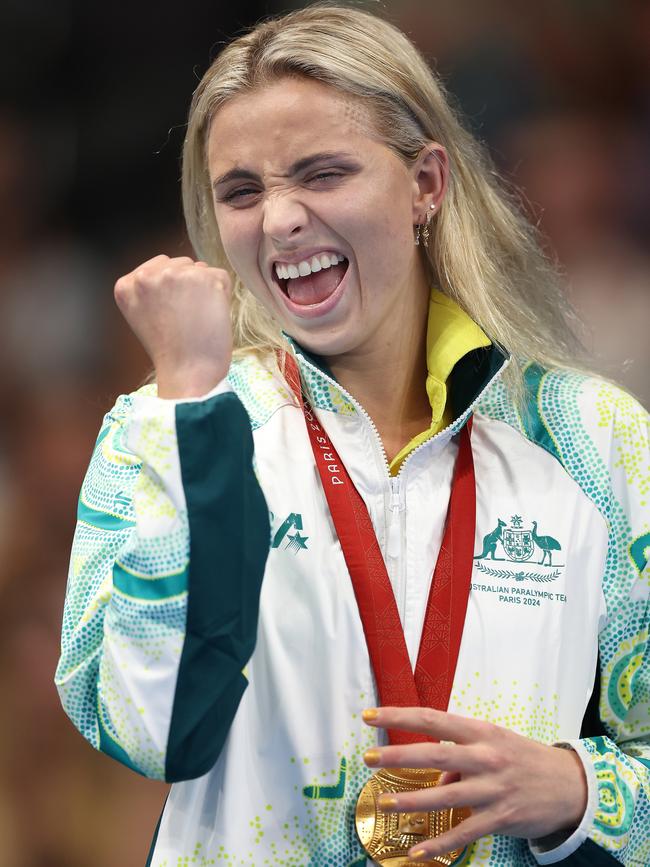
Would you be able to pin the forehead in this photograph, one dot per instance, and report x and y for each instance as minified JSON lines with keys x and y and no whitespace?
{"x":277,"y":124}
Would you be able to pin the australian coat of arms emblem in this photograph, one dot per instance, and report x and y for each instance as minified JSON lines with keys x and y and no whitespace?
{"x":519,"y":544}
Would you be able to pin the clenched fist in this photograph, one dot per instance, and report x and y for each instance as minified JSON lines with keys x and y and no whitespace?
{"x":180,"y":311}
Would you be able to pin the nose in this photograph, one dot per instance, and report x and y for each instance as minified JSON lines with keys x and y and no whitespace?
{"x":284,"y":218}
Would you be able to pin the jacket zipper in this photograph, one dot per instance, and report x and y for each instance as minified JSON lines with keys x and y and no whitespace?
{"x":373,"y":427}
{"x":394,"y":542}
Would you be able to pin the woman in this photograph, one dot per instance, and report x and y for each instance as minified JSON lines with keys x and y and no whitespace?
{"x":382,"y":293}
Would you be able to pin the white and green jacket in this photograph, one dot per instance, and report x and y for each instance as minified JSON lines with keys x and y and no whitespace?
{"x":211,"y":636}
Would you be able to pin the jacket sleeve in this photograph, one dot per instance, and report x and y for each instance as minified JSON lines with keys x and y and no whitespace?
{"x":616,"y":825}
{"x":163,"y":590}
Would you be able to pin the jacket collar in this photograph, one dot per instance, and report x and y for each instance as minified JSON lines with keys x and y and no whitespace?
{"x":461,"y":360}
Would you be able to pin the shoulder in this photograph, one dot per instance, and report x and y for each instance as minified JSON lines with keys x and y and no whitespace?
{"x":566,"y":411}
{"x":601,"y":436}
{"x":588,"y":420}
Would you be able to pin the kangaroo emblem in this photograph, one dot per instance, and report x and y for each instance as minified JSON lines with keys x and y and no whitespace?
{"x":490,"y":542}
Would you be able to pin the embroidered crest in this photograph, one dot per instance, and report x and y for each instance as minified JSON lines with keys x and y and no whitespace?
{"x":520,"y":544}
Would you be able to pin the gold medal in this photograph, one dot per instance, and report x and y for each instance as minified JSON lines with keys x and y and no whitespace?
{"x":387,"y":837}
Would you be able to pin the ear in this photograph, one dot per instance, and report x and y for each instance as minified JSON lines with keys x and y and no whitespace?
{"x":430,"y":173}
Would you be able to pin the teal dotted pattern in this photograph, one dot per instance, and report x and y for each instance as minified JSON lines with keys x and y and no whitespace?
{"x":113,"y":470}
{"x":323,"y":394}
{"x":320,"y":834}
{"x":559,"y":406}
{"x":89,"y":571}
{"x":147,"y":630}
{"x":620,"y":799}
{"x":161,"y":555}
{"x":623,"y":814}
{"x":497,"y":404}
{"x":330,"y":833}
{"x":148,"y":624}
{"x":261,"y":389}
{"x":503,"y":850}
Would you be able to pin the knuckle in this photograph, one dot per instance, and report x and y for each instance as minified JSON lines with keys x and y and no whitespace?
{"x":494,"y":760}
{"x":161,"y":257}
{"x":507,"y":816}
{"x":121,"y":289}
{"x":445,"y":754}
{"x":167,"y":273}
{"x":465,"y":835}
{"x":225,"y":285}
{"x":496,"y":732}
{"x":484,"y":728}
{"x":438,"y":756}
{"x":448,"y":796}
{"x":428,"y":717}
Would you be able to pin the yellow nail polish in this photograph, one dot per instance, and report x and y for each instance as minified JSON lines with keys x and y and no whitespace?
{"x":372,"y":757}
{"x":418,"y":855}
{"x":369,"y":714}
{"x":387,"y":802}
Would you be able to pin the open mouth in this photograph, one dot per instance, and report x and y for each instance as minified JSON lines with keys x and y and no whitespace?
{"x":314,"y":288}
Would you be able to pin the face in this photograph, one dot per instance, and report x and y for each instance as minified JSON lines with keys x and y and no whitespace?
{"x":316,"y":214}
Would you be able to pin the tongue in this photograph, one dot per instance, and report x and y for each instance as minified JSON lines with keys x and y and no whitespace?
{"x":316,"y":287}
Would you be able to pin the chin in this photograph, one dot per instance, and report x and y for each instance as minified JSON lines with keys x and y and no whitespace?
{"x":329,"y":341}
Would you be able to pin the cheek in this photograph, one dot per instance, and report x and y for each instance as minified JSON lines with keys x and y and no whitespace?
{"x":388,"y":218}
{"x":386,"y":245}
{"x":235,"y":239}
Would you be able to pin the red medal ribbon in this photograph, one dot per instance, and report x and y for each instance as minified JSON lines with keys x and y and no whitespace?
{"x":447,"y":603}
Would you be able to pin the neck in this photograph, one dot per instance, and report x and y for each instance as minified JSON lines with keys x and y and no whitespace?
{"x":388,"y":377}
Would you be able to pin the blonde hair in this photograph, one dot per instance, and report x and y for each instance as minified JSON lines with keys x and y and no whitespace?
{"x":482,"y":253}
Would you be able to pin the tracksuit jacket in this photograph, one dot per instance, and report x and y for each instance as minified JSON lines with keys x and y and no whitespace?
{"x":211,"y":636}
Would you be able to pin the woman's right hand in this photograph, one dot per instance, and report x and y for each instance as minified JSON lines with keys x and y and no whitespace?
{"x":180,"y":311}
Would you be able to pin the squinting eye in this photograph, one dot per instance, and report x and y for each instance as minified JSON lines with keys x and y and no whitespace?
{"x":237,"y":194}
{"x":325,"y":175}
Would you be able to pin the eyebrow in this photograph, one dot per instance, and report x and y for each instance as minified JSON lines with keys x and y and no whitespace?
{"x":299,"y":166}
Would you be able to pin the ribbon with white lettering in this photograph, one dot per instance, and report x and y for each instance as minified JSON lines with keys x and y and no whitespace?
{"x":447,"y":603}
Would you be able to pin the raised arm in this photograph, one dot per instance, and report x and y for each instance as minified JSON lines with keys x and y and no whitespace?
{"x":167,"y":562}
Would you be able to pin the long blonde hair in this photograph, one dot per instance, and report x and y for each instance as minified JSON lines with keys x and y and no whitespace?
{"x":482,"y":253}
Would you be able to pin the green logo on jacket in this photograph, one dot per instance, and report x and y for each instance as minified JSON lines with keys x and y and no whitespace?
{"x":294,"y":541}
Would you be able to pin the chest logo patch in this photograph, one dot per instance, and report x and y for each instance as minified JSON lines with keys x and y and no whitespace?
{"x":520,"y":544}
{"x":293,"y":541}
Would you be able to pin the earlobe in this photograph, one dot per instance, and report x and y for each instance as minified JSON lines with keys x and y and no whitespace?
{"x":430,"y":180}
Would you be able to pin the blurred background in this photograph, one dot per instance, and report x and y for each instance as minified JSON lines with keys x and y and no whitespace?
{"x":93,"y":102}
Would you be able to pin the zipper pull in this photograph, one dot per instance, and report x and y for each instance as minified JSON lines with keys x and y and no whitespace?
{"x":394,"y":546}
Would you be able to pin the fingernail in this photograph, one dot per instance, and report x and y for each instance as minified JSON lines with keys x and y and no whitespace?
{"x":372,"y":757}
{"x":387,"y":802}
{"x":369,"y":714}
{"x":418,"y":855}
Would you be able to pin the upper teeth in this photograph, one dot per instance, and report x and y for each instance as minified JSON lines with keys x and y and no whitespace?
{"x":307,"y":266}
